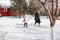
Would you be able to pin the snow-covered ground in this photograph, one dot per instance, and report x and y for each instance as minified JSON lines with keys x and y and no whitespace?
{"x":11,"y":28}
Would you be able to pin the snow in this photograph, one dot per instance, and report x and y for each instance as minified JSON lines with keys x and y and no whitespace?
{"x":11,"y":28}
{"x":6,"y":3}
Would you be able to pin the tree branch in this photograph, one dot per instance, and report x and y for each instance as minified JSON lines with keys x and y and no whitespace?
{"x":56,"y":11}
{"x":41,"y":2}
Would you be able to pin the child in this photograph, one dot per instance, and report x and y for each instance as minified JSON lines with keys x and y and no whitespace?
{"x":25,"y":21}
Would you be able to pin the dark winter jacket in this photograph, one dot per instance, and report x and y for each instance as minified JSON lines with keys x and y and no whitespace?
{"x":37,"y":17}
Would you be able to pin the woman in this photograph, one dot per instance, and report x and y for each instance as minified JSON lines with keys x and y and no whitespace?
{"x":37,"y":18}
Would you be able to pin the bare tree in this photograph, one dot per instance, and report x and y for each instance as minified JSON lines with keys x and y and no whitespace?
{"x":19,"y":5}
{"x":52,"y":12}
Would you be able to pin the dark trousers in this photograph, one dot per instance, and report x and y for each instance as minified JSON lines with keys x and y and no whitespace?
{"x":37,"y":21}
{"x":26,"y":25}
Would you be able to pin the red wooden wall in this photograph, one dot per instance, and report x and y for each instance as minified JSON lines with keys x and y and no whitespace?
{"x":3,"y":12}
{"x":6,"y":13}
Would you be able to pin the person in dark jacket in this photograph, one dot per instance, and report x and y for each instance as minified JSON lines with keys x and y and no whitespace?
{"x":37,"y":18}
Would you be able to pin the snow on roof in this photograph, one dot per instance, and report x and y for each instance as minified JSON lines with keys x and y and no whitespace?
{"x":5,"y":3}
